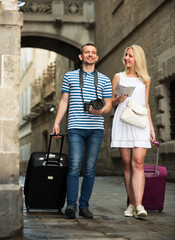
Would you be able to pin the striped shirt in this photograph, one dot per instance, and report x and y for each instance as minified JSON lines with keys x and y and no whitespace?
{"x":77,"y":117}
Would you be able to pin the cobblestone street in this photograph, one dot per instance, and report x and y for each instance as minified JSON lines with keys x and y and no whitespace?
{"x":107,"y":203}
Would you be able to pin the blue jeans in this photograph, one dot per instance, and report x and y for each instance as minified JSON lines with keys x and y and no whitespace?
{"x":77,"y":139}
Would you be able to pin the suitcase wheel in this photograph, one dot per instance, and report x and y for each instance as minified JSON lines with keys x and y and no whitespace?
{"x":60,"y":210}
{"x":160,"y":210}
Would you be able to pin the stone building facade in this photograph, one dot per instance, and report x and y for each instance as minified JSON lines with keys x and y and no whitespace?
{"x":42,"y":123}
{"x":35,"y":65}
{"x":11,"y":217}
{"x":42,"y":73}
{"x":150,"y":24}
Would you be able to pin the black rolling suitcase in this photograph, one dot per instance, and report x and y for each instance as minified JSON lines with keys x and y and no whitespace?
{"x":45,"y":182}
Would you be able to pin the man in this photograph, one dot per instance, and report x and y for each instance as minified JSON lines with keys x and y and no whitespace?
{"x":85,"y":126}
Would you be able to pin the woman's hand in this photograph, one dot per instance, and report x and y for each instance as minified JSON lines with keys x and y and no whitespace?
{"x":122,"y":98}
{"x":152,"y":136}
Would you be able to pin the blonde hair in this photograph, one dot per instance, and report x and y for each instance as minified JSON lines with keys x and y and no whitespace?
{"x":140,"y":63}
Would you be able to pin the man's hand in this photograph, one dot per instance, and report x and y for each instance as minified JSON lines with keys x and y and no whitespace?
{"x":62,"y":108}
{"x":94,"y":111}
{"x":56,"y":130}
{"x":106,"y":109}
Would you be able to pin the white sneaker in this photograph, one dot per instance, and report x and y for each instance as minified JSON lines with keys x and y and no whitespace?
{"x":130,"y":211}
{"x":140,"y":211}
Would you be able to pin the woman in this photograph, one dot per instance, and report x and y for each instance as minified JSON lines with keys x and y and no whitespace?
{"x":133,"y":141}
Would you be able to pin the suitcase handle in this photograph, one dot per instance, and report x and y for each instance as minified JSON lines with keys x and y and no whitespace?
{"x":157,"y":155}
{"x":61,"y":147}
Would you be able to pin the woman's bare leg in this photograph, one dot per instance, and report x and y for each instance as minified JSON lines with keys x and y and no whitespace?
{"x":138,"y":176}
{"x":126,"y":154}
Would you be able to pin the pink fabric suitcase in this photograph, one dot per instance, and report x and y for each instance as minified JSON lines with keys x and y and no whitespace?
{"x":155,"y":182}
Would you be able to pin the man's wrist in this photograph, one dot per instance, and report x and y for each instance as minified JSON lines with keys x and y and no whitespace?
{"x":102,"y":111}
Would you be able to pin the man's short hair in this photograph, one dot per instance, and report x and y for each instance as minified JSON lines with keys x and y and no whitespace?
{"x":87,"y":44}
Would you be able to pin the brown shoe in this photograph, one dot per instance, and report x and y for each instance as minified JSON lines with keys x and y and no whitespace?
{"x":70,"y":212}
{"x":86,"y":213}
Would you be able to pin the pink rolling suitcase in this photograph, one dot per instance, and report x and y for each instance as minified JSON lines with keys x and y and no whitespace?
{"x":155,"y":182}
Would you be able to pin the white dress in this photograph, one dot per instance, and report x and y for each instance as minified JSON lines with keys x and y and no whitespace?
{"x":125,"y":135}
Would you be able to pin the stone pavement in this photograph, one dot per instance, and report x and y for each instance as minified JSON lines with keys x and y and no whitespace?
{"x":108,"y":202}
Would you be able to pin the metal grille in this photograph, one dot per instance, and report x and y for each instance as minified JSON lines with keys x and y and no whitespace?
{"x":172,"y":109}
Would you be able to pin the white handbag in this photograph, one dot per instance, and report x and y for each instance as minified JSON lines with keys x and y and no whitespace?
{"x":135,"y":115}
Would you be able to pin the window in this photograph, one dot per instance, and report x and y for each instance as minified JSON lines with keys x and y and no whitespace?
{"x":26,"y":60}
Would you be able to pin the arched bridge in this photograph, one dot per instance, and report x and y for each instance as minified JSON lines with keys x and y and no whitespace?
{"x":62,"y":26}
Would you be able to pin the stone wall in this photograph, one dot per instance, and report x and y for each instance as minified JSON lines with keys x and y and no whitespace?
{"x":11,"y":218}
{"x":151,"y":25}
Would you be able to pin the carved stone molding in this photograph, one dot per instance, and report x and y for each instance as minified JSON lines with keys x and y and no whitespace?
{"x":40,"y":6}
{"x":58,"y":12}
{"x":73,"y":7}
{"x":37,"y":7}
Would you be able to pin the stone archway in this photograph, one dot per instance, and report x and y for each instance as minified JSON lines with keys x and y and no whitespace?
{"x":66,"y":25}
{"x":52,"y":44}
